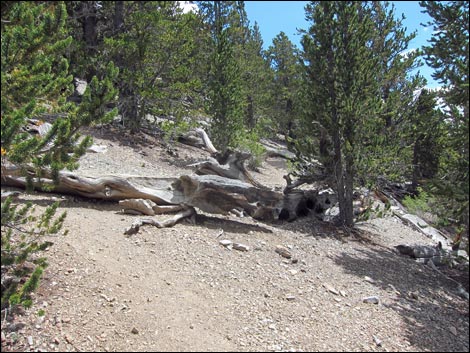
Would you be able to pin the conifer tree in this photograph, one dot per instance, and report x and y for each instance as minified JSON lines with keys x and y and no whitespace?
{"x":426,"y":133}
{"x":448,"y":54}
{"x":342,"y":89}
{"x":35,"y":84}
{"x":284,"y":59}
{"x":225,"y":90}
{"x":154,"y":50}
{"x":360,"y":93}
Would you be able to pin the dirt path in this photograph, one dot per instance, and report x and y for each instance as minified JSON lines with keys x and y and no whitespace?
{"x":178,"y":289}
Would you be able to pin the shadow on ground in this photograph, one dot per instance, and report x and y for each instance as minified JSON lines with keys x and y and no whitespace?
{"x":427,"y":301}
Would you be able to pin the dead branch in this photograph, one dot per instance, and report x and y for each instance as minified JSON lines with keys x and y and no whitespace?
{"x":134,"y":228}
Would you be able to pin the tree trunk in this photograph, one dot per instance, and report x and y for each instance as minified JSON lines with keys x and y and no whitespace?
{"x":416,"y":168}
{"x":250,"y":114}
{"x":90,"y":36}
{"x":118,"y":19}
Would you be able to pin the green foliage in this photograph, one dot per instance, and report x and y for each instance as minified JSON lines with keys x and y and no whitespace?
{"x":448,"y":54}
{"x":342,"y":91}
{"x":420,"y":203}
{"x":225,"y":94}
{"x":173,"y":129}
{"x":35,"y":84}
{"x":284,"y":61}
{"x":155,"y":52}
{"x":238,"y":79}
{"x":248,"y":141}
{"x":357,"y":95}
{"x":23,"y":241}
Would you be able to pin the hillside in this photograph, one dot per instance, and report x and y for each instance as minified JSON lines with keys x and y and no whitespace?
{"x":179,"y":289}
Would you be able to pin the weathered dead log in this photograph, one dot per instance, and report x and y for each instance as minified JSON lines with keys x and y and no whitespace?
{"x":112,"y":188}
{"x":147,"y":207}
{"x":420,"y":251}
{"x":209,"y":193}
{"x":198,"y":138}
{"x":134,"y":228}
{"x":229,"y":165}
{"x":215,"y":194}
{"x":207,"y":141}
{"x":276,"y":150}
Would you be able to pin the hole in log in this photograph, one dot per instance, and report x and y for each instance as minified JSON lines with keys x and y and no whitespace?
{"x":301,"y":210}
{"x":310,"y":204}
{"x":318,"y":209}
{"x":327,"y":201}
{"x":284,"y":215}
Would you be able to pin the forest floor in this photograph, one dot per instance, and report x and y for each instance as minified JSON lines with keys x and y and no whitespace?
{"x":179,"y":289}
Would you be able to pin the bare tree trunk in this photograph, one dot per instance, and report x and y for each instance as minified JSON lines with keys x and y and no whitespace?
{"x":118,"y":19}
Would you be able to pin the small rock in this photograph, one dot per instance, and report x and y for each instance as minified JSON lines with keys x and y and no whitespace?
{"x":371,"y":300}
{"x":293,"y":272}
{"x":30,"y":340}
{"x":453,"y":330}
{"x":377,"y":341}
{"x":290,"y":297}
{"x":65,"y":320}
{"x":413,"y":295}
{"x":283,"y":251}
{"x":56,"y":340}
{"x":225,"y":242}
{"x":15,"y":327}
{"x":68,"y":339}
{"x":343,"y":293}
{"x":134,"y":331}
{"x":368,"y":279}
{"x":330,"y":288}
{"x":241,"y":247}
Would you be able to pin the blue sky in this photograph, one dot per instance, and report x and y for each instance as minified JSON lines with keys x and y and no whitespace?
{"x":288,"y":16}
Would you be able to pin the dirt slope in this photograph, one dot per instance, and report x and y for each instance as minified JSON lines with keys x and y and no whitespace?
{"x":178,"y":289}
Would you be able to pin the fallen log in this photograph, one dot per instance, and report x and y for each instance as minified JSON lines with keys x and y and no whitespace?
{"x":209,"y":193}
{"x":113,"y":188}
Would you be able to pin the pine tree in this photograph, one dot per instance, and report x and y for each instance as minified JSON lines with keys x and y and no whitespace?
{"x":383,"y":151}
{"x":225,"y":90}
{"x":448,"y":54}
{"x":35,"y":83}
{"x":360,"y":93}
{"x":426,"y":135}
{"x":342,"y":89}
{"x":284,"y":60}
{"x":154,"y":50}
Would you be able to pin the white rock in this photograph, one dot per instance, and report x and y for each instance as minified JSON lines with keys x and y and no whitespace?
{"x":371,"y":300}
{"x":225,"y":242}
{"x":241,"y":247}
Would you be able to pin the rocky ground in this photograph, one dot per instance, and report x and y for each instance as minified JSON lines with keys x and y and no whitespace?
{"x":180,"y":289}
